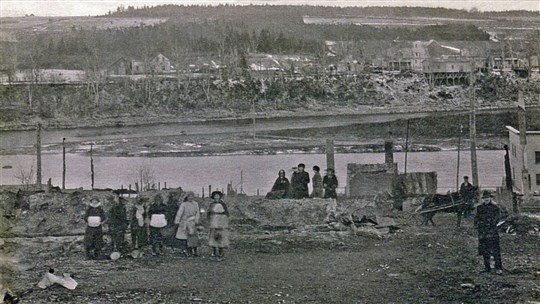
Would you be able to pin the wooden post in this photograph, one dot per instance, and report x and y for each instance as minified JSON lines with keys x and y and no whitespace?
{"x":159,"y":185}
{"x":406,"y":146}
{"x":472,"y":122}
{"x":257,"y":192}
{"x":253,"y":120}
{"x":388,"y":152}
{"x":165,"y":185}
{"x":137,"y":187}
{"x":63,"y":163}
{"x":129,"y":192}
{"x":92,"y":165}
{"x":330,"y":162}
{"x":38,"y":153}
{"x":202,"y":192}
{"x":241,"y":181}
{"x":458,"y":156}
{"x":209,"y":189}
{"x":508,"y":170}
{"x":523,"y":143}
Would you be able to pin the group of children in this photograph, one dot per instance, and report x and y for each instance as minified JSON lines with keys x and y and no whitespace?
{"x":151,"y":224}
{"x":297,"y":188}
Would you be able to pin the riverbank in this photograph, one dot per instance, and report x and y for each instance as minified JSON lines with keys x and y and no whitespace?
{"x":28,"y":122}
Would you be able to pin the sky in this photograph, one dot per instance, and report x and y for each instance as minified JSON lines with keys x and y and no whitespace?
{"x":10,"y":8}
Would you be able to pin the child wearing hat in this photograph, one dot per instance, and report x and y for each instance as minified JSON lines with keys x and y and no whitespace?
{"x":93,"y":237}
{"x":218,"y":222}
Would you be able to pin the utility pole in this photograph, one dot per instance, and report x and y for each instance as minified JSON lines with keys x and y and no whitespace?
{"x":92,"y":166}
{"x":458,"y":156}
{"x":253,"y":109}
{"x":63,"y":163}
{"x":406,"y":146}
{"x":330,"y":163}
{"x":472,"y":122}
{"x":38,"y":153}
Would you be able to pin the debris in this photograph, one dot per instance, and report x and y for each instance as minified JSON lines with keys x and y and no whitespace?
{"x":115,"y":255}
{"x":50,"y":279}
{"x":467,"y":286}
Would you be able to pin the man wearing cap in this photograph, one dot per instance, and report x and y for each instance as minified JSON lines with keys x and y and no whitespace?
{"x":299,"y":183}
{"x":93,"y":237}
{"x":486,"y":219}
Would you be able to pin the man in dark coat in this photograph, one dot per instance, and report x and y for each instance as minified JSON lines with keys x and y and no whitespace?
{"x":330,"y":183}
{"x":487,"y":217}
{"x":299,"y":183}
{"x":117,"y":222}
{"x":467,"y":192}
{"x":93,"y":237}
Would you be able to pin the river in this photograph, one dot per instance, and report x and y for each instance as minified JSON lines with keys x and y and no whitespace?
{"x":14,"y":139}
{"x":258,"y":171}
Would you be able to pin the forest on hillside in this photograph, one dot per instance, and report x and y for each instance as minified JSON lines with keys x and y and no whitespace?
{"x":216,"y":32}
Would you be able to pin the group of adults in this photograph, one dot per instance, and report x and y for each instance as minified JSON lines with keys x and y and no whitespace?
{"x":176,"y":223}
{"x":297,"y":187}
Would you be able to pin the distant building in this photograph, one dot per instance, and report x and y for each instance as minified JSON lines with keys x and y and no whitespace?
{"x":525,"y":156}
{"x":160,"y":64}
{"x":449,"y":71}
{"x":157,"y":65}
{"x":121,"y":67}
{"x":424,"y":50}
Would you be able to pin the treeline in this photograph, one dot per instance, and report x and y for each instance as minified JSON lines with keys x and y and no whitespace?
{"x":295,"y":12}
{"x":218,"y":40}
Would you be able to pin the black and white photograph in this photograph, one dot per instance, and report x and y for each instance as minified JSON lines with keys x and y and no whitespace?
{"x":270,"y":151}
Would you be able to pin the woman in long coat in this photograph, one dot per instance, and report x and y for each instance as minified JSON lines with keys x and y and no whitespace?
{"x":187,"y":218}
{"x":218,"y":222}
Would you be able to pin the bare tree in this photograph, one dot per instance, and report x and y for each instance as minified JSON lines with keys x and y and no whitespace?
{"x":144,"y":175}
{"x":25,"y":175}
{"x":95,"y":77}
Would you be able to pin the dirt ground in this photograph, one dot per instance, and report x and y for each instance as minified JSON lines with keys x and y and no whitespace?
{"x":414,"y":265}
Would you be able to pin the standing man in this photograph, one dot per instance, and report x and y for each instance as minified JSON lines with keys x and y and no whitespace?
{"x":317,"y":183}
{"x":330,"y":183}
{"x":299,"y":183}
{"x":487,"y":217}
{"x":467,"y":192}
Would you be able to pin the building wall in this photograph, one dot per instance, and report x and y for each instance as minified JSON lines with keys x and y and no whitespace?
{"x":419,"y":52}
{"x":450,"y":66}
{"x":370,"y":179}
{"x":533,"y":146}
{"x":516,"y":160}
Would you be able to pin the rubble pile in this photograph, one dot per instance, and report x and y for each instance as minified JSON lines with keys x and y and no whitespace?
{"x":284,"y":213}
